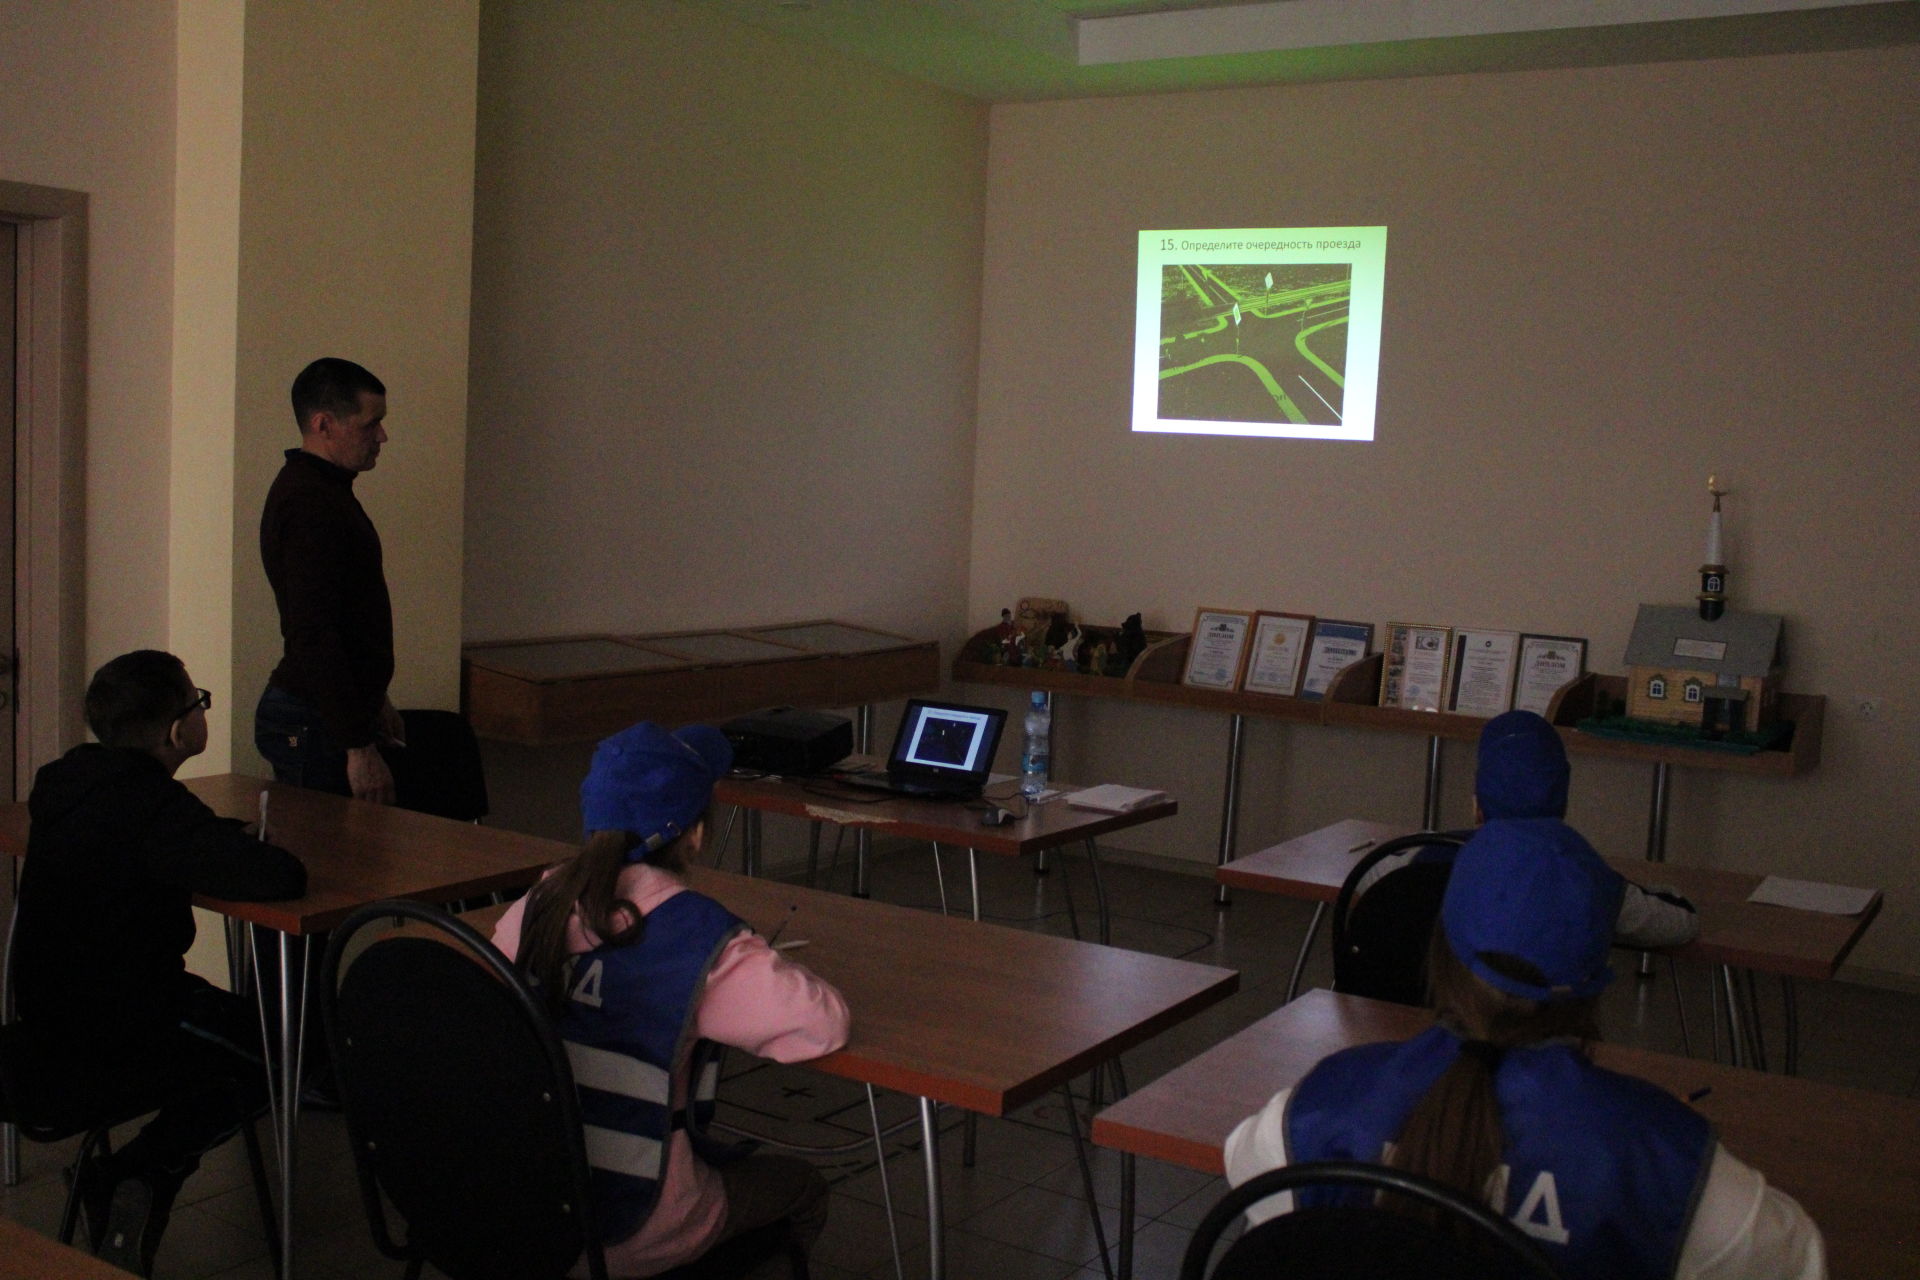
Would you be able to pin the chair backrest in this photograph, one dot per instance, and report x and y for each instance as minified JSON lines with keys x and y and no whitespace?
{"x":439,"y":771}
{"x":1361,"y":1240}
{"x":1380,"y":939}
{"x":459,"y":1101}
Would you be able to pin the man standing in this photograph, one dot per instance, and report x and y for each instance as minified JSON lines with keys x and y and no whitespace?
{"x":325,"y":710}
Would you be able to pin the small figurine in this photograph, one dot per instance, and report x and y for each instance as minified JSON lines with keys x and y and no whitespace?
{"x":1069,"y":649}
{"x":1007,"y":640}
{"x":1131,"y":644}
{"x":1087,"y":656}
{"x":1057,"y":632}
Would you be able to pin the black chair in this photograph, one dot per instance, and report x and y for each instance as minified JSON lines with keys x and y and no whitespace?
{"x":460,"y":1106}
{"x":1358,"y":1239}
{"x":439,"y":771}
{"x":1380,"y":940}
{"x":48,"y":1094}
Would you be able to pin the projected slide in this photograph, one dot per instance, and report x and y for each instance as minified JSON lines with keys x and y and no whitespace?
{"x":1259,"y":333}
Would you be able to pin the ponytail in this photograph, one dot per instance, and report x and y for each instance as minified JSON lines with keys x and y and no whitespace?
{"x":588,"y":883}
{"x":1453,"y":1134}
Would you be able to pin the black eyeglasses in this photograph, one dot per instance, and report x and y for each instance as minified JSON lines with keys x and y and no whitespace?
{"x":203,"y":701}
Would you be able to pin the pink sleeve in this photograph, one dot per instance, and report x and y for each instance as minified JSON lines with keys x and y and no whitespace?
{"x":506,"y":934}
{"x":760,"y":1001}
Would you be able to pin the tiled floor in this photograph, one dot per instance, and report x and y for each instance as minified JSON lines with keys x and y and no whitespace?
{"x":1020,"y":1212}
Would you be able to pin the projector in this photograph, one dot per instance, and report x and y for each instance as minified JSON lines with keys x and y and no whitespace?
{"x":788,"y":740}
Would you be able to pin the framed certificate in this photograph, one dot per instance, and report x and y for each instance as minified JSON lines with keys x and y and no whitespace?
{"x":1418,"y":659}
{"x":1218,"y":652}
{"x":1333,"y":648}
{"x":1279,"y":651}
{"x":1547,"y":664}
{"x":1483,"y":662}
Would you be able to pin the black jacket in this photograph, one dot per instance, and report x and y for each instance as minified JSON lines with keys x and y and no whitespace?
{"x":322,"y":556}
{"x":116,"y":850}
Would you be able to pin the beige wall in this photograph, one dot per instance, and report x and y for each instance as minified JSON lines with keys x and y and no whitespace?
{"x":1601,"y":285}
{"x":726,"y":296}
{"x":87,"y":104}
{"x":356,"y":209}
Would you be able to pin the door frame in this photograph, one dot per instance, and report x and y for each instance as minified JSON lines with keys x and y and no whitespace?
{"x":50,"y":530}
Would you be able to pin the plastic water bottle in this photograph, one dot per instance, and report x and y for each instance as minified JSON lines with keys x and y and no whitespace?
{"x":1035,"y":753}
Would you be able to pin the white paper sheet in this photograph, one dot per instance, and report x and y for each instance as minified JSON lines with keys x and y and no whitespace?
{"x":1812,"y":895}
{"x":1112,"y":798}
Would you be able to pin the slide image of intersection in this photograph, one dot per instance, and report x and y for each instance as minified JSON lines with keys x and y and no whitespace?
{"x":1249,"y":343}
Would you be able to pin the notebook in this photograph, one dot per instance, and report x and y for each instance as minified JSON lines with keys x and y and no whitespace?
{"x":941,"y":749}
{"x":1111,"y":797}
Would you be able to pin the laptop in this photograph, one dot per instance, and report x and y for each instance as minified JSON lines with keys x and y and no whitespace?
{"x":941,"y":749}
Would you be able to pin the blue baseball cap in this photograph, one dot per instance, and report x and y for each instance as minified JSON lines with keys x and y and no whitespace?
{"x":1533,"y":889}
{"x":1523,"y":768}
{"x":652,"y":783}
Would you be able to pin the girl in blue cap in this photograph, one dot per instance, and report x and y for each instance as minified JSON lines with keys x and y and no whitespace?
{"x":641,"y":972}
{"x":1617,"y":1179}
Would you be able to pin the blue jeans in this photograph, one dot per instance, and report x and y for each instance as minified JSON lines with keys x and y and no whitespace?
{"x":288,"y":733}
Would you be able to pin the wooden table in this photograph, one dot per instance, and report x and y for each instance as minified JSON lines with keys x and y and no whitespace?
{"x":1851,"y":1158}
{"x":976,"y":1016}
{"x":1734,"y":933}
{"x":355,"y":853}
{"x":1044,"y":826}
{"x":25,"y":1254}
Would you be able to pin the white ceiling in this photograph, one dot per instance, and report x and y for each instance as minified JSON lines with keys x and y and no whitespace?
{"x":1016,"y":50}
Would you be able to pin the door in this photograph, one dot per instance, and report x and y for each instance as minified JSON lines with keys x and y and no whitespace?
{"x":9,"y":356}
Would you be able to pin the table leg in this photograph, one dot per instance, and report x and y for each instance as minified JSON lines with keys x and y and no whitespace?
{"x":1736,"y":1031}
{"x":930,"y":1151}
{"x":1679,"y":1006}
{"x":1230,"y":802}
{"x":1086,"y":1173}
{"x":862,"y":839}
{"x":1790,"y":1011}
{"x":750,"y":843}
{"x":940,"y":874}
{"x":236,"y":955}
{"x":1430,"y":805}
{"x":1759,"y":1032}
{"x":886,"y":1188}
{"x":1100,"y":892}
{"x":813,"y":852}
{"x":1656,"y":837}
{"x":1306,"y":947}
{"x":283,"y":1092}
{"x":1128,"y":1195}
{"x":973,"y":876}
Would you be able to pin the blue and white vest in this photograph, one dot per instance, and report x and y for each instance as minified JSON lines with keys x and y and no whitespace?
{"x":628,"y":1023}
{"x":1602,"y":1169}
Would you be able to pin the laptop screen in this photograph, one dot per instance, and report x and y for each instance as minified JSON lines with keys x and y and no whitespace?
{"x":946,"y":740}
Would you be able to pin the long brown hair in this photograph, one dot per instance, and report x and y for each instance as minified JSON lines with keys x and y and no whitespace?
{"x":1453,"y":1134}
{"x":587,"y":882}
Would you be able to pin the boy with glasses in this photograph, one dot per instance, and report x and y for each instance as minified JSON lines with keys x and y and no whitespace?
{"x":115,"y":853}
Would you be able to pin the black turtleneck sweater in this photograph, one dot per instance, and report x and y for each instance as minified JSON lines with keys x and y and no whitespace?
{"x":322,"y":556}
